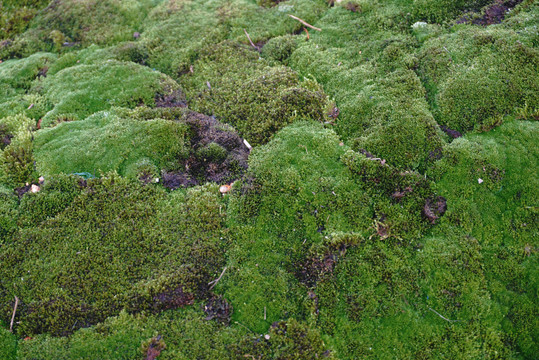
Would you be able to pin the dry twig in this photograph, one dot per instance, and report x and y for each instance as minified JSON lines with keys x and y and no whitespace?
{"x":304,"y":23}
{"x":13,"y":316}
{"x":250,"y":41}
{"x":440,"y":315}
{"x":214,"y":282}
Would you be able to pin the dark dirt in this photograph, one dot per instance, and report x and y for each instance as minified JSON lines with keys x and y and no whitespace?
{"x":217,"y":308}
{"x":436,"y":154}
{"x":205,"y":132}
{"x":5,"y":140}
{"x":312,"y":269}
{"x":43,"y":72}
{"x":172,"y":299}
{"x":434,"y":208}
{"x":366,"y":153}
{"x":492,"y":14}
{"x":155,"y":347}
{"x":5,"y":137}
{"x":174,"y":99}
{"x":20,"y":191}
{"x":453,"y":133}
{"x":397,"y":195}
{"x":352,"y":7}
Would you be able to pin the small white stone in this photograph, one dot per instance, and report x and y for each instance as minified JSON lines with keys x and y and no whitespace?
{"x":480,"y":181}
{"x":419,"y":24}
{"x":34,"y":188}
{"x":267,"y":337}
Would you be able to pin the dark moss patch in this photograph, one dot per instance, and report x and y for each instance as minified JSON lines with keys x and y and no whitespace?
{"x":5,"y":137}
{"x":218,"y":309}
{"x":491,"y":14}
{"x":174,"y":98}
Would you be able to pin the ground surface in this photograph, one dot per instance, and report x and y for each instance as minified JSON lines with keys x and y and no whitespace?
{"x":216,"y":179}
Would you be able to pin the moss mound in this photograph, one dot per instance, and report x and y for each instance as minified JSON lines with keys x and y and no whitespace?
{"x":295,"y":179}
{"x":108,"y":142}
{"x":82,"y":90}
{"x":245,"y":92}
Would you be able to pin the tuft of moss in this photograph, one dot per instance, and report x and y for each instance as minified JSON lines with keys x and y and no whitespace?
{"x":8,"y":213}
{"x":444,"y":10}
{"x":108,"y":142}
{"x":231,"y":83}
{"x":8,"y":345}
{"x":82,"y":90}
{"x":279,"y":49}
{"x":16,"y":150}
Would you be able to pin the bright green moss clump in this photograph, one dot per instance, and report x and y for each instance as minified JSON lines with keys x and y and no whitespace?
{"x":476,"y":77}
{"x":8,"y":345}
{"x":444,"y":10}
{"x":8,"y":213}
{"x":16,"y":145}
{"x":82,"y":90}
{"x":107,"y":142}
{"x":67,"y":24}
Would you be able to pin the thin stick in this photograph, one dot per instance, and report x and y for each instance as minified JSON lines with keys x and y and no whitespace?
{"x":440,"y":315}
{"x":214,"y":282}
{"x":304,"y":23}
{"x":264,"y":313}
{"x":307,"y":33}
{"x":250,"y":41}
{"x":13,"y":316}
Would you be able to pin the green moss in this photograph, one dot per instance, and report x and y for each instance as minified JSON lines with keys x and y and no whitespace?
{"x":494,"y":60}
{"x":360,"y":229}
{"x":289,"y":340}
{"x":369,"y":72}
{"x":440,"y":11}
{"x":280,"y":48}
{"x":299,"y":191}
{"x":82,"y":90}
{"x":231,"y":83}
{"x":16,"y":157}
{"x":470,"y":97}
{"x":19,"y":74}
{"x":107,"y":142}
{"x":177,"y":31}
{"x":8,"y":345}
{"x":181,"y":235}
{"x":489,"y":182}
{"x":8,"y":213}
{"x":63,"y":25}
{"x":55,"y":195}
{"x":16,"y":15}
